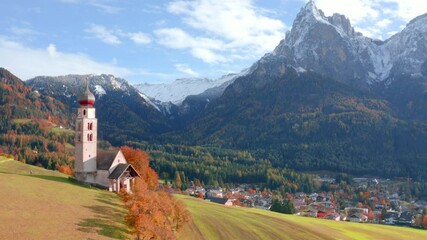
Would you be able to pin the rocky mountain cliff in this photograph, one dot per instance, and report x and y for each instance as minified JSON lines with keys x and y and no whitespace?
{"x":331,"y":47}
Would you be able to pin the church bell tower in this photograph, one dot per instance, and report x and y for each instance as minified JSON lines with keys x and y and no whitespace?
{"x":86,"y":138}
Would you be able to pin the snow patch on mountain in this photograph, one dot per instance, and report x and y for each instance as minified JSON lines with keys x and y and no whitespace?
{"x":99,"y":90}
{"x":148,"y":101}
{"x":177,"y":91}
{"x":330,"y":46}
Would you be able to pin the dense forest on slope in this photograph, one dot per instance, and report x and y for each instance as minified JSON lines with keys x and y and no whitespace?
{"x":31,"y":126}
{"x":308,"y":122}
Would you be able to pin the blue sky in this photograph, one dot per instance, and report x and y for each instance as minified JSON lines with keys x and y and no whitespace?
{"x":159,"y":41}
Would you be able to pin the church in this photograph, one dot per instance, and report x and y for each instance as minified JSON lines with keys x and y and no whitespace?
{"x":107,"y":169}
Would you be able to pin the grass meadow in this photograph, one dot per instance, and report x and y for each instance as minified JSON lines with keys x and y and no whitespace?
{"x":214,"y":221}
{"x":46,"y":205}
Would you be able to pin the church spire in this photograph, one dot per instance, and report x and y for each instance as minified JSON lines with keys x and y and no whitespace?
{"x":87,"y":98}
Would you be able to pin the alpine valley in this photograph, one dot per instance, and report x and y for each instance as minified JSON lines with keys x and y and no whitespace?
{"x":326,"y":99}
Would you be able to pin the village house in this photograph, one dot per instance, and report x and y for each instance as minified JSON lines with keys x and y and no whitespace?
{"x":107,"y":169}
{"x":223,"y":201}
{"x":358,"y":217}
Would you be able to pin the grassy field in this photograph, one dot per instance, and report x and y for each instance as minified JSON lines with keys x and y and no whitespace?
{"x":45,"y":205}
{"x":214,"y":221}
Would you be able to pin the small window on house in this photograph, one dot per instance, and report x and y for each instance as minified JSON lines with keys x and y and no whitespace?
{"x":88,"y":137}
{"x":89,"y":126}
{"x":84,"y":112}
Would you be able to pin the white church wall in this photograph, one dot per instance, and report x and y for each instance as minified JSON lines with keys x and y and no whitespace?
{"x":120,"y":158}
{"x":102,"y":178}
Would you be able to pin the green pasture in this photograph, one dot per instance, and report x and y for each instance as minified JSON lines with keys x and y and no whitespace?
{"x":46,"y":205}
{"x":214,"y":221}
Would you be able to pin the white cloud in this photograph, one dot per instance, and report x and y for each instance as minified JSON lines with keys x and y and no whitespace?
{"x":383,"y":23}
{"x":51,"y":50}
{"x":184,"y":68}
{"x":355,"y":10}
{"x":200,"y":47}
{"x":207,"y":55}
{"x":407,"y":10}
{"x":113,"y":36}
{"x":221,"y":28}
{"x":101,"y":5}
{"x":22,"y":31}
{"x":139,"y":38}
{"x":238,"y":21}
{"x":103,"y":34}
{"x":28,"y":62}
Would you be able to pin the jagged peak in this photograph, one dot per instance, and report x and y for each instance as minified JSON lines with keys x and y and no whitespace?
{"x":310,"y":15}
{"x":310,"y":11}
{"x":420,"y":18}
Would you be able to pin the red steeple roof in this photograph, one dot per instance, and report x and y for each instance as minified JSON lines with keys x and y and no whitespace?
{"x":87,"y":98}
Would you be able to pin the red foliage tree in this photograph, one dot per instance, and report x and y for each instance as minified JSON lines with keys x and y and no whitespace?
{"x":152,"y":214}
{"x":140,"y":161}
{"x":66,"y":170}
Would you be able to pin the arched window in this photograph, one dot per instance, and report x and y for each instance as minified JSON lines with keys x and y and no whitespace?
{"x":89,"y":126}
{"x":88,"y":137}
{"x":84,"y":112}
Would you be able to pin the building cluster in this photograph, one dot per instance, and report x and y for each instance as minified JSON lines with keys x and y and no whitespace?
{"x":369,"y":200}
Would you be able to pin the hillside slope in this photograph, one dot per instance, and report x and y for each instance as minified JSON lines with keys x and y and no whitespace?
{"x":45,"y":205}
{"x":214,"y":221}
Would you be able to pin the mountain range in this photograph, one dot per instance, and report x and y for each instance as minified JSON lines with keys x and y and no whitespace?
{"x":327,"y":98}
{"x":177,"y":91}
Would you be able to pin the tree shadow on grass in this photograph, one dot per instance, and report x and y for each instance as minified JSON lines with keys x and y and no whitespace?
{"x":107,"y":221}
{"x":51,"y":178}
{"x":108,"y":199}
{"x":68,"y":180}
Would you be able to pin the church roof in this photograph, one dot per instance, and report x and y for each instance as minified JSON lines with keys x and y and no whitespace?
{"x":104,"y":159}
{"x":120,"y":169}
{"x":87,"y":98}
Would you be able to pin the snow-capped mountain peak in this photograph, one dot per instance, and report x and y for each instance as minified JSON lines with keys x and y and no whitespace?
{"x":329,"y":45}
{"x":177,"y":91}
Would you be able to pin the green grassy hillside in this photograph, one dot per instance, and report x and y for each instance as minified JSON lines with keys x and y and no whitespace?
{"x":214,"y":221}
{"x":45,"y":205}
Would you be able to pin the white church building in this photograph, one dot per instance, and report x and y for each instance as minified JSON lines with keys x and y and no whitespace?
{"x":108,"y":169}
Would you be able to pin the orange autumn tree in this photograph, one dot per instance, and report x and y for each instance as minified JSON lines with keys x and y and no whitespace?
{"x":66,"y":170}
{"x":140,"y":161}
{"x":152,"y":213}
